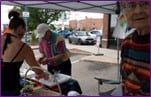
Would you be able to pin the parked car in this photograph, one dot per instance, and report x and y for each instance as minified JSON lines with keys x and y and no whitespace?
{"x":81,"y":37}
{"x":64,"y":33}
{"x":96,"y":34}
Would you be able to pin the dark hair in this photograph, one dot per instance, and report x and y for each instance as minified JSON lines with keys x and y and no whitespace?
{"x":15,"y":20}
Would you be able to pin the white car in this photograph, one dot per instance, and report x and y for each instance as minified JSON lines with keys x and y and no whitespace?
{"x":96,"y":34}
{"x":81,"y":37}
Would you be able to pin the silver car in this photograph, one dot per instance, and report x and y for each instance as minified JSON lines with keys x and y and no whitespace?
{"x":81,"y":37}
{"x":95,"y":33}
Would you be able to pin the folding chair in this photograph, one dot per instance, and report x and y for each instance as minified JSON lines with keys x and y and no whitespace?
{"x":109,"y":92}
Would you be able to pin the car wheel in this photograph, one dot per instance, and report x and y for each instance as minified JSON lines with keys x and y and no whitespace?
{"x":79,"y":42}
{"x":70,"y":41}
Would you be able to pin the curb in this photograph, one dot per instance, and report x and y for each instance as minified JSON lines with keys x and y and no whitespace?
{"x":78,"y":51}
{"x":95,"y":61}
{"x":75,"y":53}
{"x":72,"y":51}
{"x":99,"y":59}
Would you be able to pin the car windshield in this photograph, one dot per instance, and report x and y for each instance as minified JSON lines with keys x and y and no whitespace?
{"x":82,"y":33}
{"x":95,"y":32}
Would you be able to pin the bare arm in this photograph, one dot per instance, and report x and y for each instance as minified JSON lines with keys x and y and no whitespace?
{"x":31,"y":60}
{"x":61,"y":52}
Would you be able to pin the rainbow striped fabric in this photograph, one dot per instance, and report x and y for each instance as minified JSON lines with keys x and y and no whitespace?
{"x":135,"y":65}
{"x":55,"y":46}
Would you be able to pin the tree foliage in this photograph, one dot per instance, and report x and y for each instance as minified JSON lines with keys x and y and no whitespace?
{"x":52,"y":27}
{"x":38,"y":16}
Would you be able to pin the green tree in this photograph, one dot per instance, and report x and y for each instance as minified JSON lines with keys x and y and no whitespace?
{"x":33,"y":39}
{"x":38,"y":16}
{"x":71,"y":29}
{"x":52,"y":27}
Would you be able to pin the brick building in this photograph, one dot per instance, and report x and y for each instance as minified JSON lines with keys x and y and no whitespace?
{"x":86,"y":24}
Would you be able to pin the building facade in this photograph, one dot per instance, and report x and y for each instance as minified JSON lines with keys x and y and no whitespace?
{"x":87,"y":24}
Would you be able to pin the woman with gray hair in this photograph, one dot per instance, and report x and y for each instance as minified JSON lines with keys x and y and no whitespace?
{"x":135,"y":53}
{"x":53,"y":50}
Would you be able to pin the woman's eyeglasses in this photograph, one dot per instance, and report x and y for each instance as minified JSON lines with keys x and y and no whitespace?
{"x":133,"y":5}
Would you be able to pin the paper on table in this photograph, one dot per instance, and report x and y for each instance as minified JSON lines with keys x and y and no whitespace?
{"x":59,"y":77}
{"x":24,"y":70}
{"x":50,"y":82}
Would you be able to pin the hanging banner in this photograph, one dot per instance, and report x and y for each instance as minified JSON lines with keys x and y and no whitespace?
{"x":122,"y":30}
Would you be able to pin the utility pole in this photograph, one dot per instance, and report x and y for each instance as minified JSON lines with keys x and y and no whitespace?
{"x":26,"y":15}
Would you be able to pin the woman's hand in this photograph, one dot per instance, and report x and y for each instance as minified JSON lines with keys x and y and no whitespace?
{"x":52,"y":61}
{"x":40,"y":60}
{"x":43,"y":60}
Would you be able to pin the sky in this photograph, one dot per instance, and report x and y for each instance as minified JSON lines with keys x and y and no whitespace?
{"x":4,"y":13}
{"x":72,"y":16}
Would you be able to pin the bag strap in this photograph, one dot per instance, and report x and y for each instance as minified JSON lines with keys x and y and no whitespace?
{"x":7,"y":41}
{"x":17,"y":53}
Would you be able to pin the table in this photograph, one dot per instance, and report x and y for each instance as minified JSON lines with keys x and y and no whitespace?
{"x":66,"y":83}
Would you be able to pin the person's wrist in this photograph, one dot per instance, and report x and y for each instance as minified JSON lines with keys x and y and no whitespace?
{"x":55,"y":58}
{"x":47,"y":59}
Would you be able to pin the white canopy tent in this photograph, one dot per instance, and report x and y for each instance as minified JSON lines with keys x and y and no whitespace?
{"x":83,"y":6}
{"x":108,"y":7}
